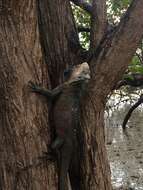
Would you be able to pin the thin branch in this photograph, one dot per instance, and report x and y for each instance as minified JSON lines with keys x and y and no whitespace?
{"x":139,"y":57}
{"x":141,"y":47}
{"x":83,"y":29}
{"x":128,"y":115}
{"x":134,"y":79}
{"x":110,"y":28}
{"x":83,"y":5}
{"x":76,"y":48}
{"x":98,"y":22}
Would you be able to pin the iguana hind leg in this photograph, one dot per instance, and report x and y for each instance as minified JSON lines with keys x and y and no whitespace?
{"x":58,"y":142}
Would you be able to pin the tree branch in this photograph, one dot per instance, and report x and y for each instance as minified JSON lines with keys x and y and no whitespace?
{"x":134,"y":79}
{"x":139,"y":57}
{"x":98,"y":22}
{"x":83,"y":29}
{"x":113,"y":58}
{"x":128,"y":115}
{"x":83,"y":5}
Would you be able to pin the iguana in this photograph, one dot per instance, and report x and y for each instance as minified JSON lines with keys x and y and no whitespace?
{"x":66,"y":113}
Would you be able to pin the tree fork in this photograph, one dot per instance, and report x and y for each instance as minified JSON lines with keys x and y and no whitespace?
{"x":90,"y":182}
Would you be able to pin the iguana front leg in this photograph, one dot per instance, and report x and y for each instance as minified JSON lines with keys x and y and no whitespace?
{"x":50,"y":94}
{"x":37,"y":89}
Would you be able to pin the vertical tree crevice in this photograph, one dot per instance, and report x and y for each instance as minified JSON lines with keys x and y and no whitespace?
{"x":57,"y":33}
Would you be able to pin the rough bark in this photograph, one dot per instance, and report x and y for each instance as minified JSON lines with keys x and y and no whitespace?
{"x":98,"y":22}
{"x":23,"y":116}
{"x":107,"y":66}
{"x":117,"y":51}
{"x":59,"y":38}
{"x":93,"y":157}
{"x":24,"y":131}
{"x":95,"y":169}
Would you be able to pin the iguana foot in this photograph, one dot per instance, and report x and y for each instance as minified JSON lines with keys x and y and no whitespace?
{"x":58,"y":142}
{"x":33,"y":87}
{"x":49,"y":156}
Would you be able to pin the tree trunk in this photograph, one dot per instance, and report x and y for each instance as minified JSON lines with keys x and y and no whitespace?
{"x":94,"y":164}
{"x":24,"y":127}
{"x":24,"y":131}
{"x":95,"y":168}
{"x":24,"y":116}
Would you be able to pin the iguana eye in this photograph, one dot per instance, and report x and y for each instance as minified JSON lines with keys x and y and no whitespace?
{"x":67,"y":73}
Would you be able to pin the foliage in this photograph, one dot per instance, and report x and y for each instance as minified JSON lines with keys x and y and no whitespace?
{"x":136,"y":66}
{"x":115,"y":10}
{"x":83,"y":20}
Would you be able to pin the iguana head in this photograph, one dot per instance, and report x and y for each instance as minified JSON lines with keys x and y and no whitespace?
{"x":79,"y":73}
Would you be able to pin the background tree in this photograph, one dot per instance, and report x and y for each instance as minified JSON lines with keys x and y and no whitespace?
{"x":25,"y":131}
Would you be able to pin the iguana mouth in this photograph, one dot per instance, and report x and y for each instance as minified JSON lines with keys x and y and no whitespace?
{"x":77,"y":81}
{"x":80,"y":79}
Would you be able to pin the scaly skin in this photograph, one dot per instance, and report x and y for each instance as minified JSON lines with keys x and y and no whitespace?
{"x":66,"y":113}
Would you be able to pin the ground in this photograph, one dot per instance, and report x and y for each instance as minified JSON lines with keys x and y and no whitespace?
{"x":125,"y":152}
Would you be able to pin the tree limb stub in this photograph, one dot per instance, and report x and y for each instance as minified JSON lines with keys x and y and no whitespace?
{"x":127,"y":117}
{"x":83,"y":5}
